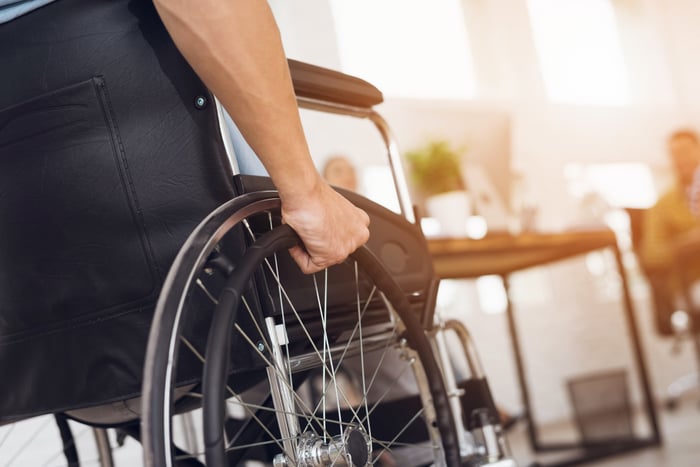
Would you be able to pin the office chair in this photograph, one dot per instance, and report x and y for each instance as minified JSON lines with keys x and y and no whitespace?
{"x":668,"y":318}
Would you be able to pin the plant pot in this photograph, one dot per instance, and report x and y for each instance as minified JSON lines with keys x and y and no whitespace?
{"x":451,"y":210}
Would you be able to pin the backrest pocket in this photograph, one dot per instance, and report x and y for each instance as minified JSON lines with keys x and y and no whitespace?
{"x":72,"y":242}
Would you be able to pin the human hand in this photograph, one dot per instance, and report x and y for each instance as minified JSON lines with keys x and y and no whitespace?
{"x":330,"y":227}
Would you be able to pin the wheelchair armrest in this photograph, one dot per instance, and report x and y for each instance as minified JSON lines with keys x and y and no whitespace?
{"x":327,"y":85}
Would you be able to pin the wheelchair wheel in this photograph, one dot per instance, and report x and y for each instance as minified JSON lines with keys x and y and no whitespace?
{"x":327,"y":369}
{"x":53,"y":440}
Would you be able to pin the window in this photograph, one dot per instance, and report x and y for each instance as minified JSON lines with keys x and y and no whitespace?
{"x":622,"y":184}
{"x":492,"y":294}
{"x":407,"y":48}
{"x":580,"y":52}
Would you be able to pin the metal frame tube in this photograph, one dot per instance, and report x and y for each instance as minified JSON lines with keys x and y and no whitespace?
{"x":281,"y":394}
{"x":393,"y":154}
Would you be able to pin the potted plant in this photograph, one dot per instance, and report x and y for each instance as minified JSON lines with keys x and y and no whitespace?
{"x":436,"y":171}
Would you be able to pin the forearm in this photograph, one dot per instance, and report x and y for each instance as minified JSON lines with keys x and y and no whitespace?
{"x":235,"y":48}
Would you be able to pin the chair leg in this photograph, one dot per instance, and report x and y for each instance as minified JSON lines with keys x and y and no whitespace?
{"x":687,"y":383}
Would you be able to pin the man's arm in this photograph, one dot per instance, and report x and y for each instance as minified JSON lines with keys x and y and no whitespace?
{"x":235,"y":48}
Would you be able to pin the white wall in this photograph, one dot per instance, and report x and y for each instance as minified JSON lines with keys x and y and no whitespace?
{"x":572,"y":330}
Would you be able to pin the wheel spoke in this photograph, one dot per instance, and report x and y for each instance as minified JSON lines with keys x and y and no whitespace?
{"x":343,"y":354}
{"x":362,"y":347}
{"x":228,"y":388}
{"x":323,"y":309}
{"x":206,"y":291}
{"x":282,"y":379}
{"x":385,"y":394}
{"x":391,"y":443}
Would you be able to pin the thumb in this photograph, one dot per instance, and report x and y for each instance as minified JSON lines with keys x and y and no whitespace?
{"x":303,"y":260}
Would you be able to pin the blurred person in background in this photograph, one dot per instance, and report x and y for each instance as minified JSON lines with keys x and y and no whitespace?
{"x":672,"y":218}
{"x":339,"y":171}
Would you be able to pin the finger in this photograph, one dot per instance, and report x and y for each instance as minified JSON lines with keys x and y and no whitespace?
{"x":364,"y":236}
{"x":365,"y":218}
{"x":301,"y":257}
{"x":303,"y":260}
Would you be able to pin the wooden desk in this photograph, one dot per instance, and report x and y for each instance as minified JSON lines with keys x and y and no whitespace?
{"x":462,"y":258}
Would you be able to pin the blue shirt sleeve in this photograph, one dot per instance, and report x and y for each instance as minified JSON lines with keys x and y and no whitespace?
{"x":11,"y":9}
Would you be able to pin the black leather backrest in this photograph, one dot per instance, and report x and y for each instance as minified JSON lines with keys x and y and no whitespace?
{"x":107,"y":163}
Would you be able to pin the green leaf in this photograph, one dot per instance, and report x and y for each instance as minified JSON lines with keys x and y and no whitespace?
{"x":436,"y":168}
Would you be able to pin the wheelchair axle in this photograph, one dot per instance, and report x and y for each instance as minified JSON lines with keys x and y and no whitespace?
{"x":350,"y":449}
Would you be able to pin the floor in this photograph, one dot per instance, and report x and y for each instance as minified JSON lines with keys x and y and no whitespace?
{"x":680,"y":430}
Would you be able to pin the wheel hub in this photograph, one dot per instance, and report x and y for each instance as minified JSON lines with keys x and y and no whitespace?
{"x":351,"y":449}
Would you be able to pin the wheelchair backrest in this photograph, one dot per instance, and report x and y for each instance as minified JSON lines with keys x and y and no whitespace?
{"x":109,"y":157}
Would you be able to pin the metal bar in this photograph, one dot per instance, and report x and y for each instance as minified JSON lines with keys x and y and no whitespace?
{"x":226,"y":137}
{"x":633,"y":329}
{"x":396,"y":165}
{"x":281,"y":394}
{"x":311,"y":360}
{"x":429,"y":414}
{"x":393,"y":154}
{"x":465,"y":338}
{"x":466,"y":445}
{"x":520,"y":367}
{"x":104,"y":449}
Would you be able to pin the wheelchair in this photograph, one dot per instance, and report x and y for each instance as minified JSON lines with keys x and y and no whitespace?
{"x":337,"y":368}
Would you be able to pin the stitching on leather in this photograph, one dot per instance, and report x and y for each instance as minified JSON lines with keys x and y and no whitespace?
{"x":101,"y":85}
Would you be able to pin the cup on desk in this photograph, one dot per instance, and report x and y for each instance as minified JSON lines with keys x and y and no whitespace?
{"x":524,"y":219}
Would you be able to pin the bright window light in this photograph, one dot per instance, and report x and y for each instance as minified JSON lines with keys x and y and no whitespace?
{"x":492,"y":294}
{"x":407,"y":48}
{"x":624,"y":184}
{"x":579,"y":50}
{"x":378,"y":185}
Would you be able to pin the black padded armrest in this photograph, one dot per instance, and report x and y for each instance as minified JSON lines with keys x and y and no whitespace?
{"x":315,"y":82}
